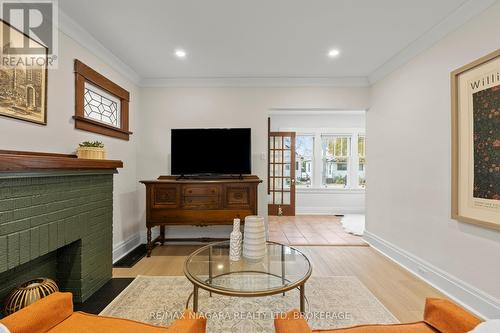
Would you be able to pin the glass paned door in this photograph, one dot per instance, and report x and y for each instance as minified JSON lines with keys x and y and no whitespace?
{"x":281,"y":173}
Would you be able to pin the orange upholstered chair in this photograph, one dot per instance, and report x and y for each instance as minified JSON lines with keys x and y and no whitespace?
{"x":54,"y":314}
{"x":440,"y":316}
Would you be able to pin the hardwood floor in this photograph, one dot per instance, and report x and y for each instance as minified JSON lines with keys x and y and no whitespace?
{"x":311,"y":230}
{"x":402,"y":293}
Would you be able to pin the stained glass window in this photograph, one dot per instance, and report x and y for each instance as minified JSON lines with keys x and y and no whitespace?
{"x":101,"y":106}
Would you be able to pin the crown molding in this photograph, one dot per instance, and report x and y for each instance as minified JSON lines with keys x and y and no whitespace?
{"x":453,"y":21}
{"x":256,"y":82}
{"x":73,"y":30}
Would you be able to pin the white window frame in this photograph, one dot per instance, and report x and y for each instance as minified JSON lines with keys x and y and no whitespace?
{"x":317,"y":165}
{"x":357,"y":159}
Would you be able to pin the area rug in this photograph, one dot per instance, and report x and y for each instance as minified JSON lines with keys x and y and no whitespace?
{"x":354,"y":224}
{"x":335,"y":301}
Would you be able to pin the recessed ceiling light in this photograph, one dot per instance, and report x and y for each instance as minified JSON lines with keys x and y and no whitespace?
{"x":179,"y":53}
{"x":333,"y":53}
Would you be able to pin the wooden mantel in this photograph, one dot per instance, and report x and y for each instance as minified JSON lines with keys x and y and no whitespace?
{"x":22,"y":161}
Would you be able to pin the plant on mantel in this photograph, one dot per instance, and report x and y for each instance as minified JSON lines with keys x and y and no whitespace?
{"x":91,"y":150}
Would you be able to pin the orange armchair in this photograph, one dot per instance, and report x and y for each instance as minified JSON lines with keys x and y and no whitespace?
{"x":54,"y":314}
{"x":440,"y":316}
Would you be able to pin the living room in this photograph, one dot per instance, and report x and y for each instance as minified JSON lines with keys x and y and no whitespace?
{"x":94,"y":200}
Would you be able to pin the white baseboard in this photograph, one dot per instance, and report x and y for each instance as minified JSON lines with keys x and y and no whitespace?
{"x":155,"y":232}
{"x":329,"y":210}
{"x":470,"y":297}
{"x":123,"y":248}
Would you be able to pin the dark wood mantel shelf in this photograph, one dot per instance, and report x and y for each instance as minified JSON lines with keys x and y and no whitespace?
{"x":22,"y":161}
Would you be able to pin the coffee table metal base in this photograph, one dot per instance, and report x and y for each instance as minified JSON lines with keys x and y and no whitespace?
{"x":195,"y":296}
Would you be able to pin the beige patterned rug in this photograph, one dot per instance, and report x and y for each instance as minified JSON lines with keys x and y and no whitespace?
{"x":335,"y":301}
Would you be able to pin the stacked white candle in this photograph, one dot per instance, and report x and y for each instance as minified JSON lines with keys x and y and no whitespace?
{"x":254,"y":241}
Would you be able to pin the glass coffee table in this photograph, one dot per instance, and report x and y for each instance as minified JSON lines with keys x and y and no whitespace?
{"x":282,"y":269}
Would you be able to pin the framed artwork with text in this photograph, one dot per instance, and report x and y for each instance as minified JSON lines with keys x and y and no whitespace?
{"x":476,"y":142}
{"x":23,"y":80}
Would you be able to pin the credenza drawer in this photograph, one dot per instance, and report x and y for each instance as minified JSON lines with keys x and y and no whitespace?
{"x":200,"y":190}
{"x":200,"y":202}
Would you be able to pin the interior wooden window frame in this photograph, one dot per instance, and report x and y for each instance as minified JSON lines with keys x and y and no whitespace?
{"x":84,"y":73}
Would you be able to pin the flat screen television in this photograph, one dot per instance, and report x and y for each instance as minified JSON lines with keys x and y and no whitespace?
{"x":211,"y":151}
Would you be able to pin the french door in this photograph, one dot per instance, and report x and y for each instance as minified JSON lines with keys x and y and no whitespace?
{"x":281,"y":185}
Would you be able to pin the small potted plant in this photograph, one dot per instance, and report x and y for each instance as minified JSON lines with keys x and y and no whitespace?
{"x":91,"y":150}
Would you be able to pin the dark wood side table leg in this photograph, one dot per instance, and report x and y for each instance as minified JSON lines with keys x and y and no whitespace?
{"x":195,"y":299}
{"x":149,"y":245}
{"x":162,"y":235}
{"x":302,"y":299}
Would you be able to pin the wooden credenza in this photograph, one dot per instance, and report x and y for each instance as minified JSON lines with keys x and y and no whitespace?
{"x":197,"y":201}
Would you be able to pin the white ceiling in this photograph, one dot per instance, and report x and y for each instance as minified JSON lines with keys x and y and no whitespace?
{"x":259,"y":38}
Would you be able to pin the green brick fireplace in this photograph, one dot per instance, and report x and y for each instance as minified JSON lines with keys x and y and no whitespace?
{"x":56,"y":224}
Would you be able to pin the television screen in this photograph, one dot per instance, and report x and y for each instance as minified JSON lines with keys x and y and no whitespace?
{"x":211,"y":151}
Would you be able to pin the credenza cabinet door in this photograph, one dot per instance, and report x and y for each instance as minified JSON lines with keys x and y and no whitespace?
{"x":239,"y":197}
{"x":165,"y":196}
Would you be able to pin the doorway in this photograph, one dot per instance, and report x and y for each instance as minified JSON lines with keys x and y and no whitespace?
{"x":316,"y":173}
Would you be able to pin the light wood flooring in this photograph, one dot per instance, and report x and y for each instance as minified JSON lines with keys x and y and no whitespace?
{"x":401,"y":292}
{"x":311,"y":230}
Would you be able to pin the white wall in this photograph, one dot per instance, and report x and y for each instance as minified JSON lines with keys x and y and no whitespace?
{"x":317,"y":200}
{"x":167,"y":108}
{"x":408,"y":180}
{"x":60,"y":136}
{"x":408,"y":125}
{"x":318,"y":119}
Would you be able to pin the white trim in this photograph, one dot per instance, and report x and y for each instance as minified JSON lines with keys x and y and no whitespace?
{"x":3,"y":328}
{"x":329,"y":210}
{"x":155,"y":232}
{"x":122,"y":249}
{"x":73,"y":30}
{"x":327,"y":190}
{"x":460,"y":291}
{"x":453,"y":21}
{"x":256,"y":82}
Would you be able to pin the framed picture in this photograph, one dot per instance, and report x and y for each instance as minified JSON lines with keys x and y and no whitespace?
{"x":23,"y":83}
{"x":476,"y":142}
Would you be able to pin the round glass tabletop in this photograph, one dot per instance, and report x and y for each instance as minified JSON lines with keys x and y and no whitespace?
{"x":283,"y":268}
